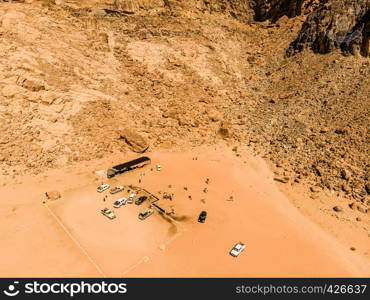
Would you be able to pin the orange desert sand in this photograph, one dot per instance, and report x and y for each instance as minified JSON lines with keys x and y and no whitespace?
{"x":70,"y":237}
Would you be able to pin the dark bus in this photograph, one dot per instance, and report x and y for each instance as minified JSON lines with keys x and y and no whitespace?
{"x":128,"y":166}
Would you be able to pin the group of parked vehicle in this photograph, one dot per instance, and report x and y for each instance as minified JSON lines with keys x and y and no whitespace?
{"x":139,"y":163}
{"x":123,"y":201}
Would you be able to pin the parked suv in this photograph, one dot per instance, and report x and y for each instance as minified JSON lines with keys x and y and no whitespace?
{"x":108,"y":213}
{"x":141,"y":200}
{"x":145,"y":214}
{"x":116,"y":190}
{"x":237,"y":249}
{"x":103,"y":187}
{"x":202,"y":217}
{"x":119,"y":202}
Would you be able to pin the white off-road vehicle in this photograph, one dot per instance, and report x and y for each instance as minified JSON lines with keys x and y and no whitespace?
{"x":108,"y":213}
{"x":119,"y":202}
{"x":145,"y":214}
{"x":237,"y":249}
{"x":116,"y":190}
{"x":103,"y":187}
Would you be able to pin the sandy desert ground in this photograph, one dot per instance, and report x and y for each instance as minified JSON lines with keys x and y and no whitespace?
{"x":70,"y":237}
{"x":268,"y":99}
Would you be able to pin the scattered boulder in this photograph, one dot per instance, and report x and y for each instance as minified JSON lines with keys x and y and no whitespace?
{"x":315,"y":189}
{"x":284,"y":179}
{"x":324,"y":130}
{"x":134,"y":140}
{"x":215,"y":115}
{"x":340,"y":131}
{"x":337,"y":209}
{"x":53,"y":195}
{"x":346,"y":188}
{"x":33,"y":85}
{"x":224,"y":130}
{"x":362,"y":209}
{"x":10,"y":91}
{"x":48,"y":98}
{"x":367,"y":188}
{"x":319,"y":171}
{"x":345,"y":174}
{"x":28,"y":138}
{"x":98,"y":12}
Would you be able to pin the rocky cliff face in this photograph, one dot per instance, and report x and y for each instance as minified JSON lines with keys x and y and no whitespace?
{"x":275,"y":9}
{"x":135,"y":5}
{"x":330,"y":24}
{"x":333,"y":25}
{"x":233,"y":8}
{"x":187,"y":73}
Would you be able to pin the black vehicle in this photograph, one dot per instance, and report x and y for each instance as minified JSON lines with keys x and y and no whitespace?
{"x":202,"y":217}
{"x":141,"y":200}
{"x":128,"y":166}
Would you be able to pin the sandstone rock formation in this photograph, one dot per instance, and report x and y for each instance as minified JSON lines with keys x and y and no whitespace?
{"x":135,"y":141}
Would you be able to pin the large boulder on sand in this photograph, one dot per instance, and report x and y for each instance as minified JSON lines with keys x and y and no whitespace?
{"x":134,"y":140}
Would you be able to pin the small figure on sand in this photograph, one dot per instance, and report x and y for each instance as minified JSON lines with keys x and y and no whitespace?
{"x":231,"y":198}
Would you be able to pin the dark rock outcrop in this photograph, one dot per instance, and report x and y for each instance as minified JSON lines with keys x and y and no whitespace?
{"x":334,"y":25}
{"x":330,"y":24}
{"x":275,"y":9}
